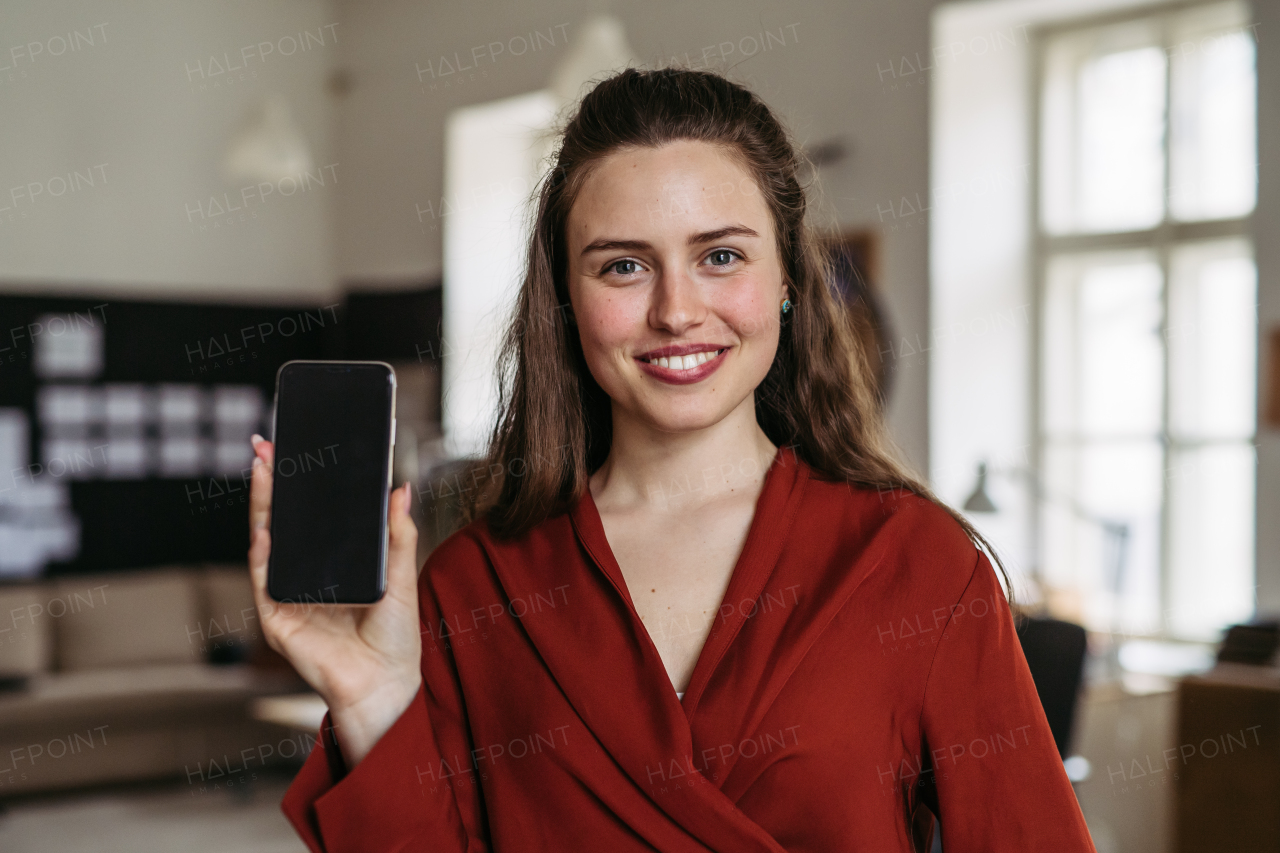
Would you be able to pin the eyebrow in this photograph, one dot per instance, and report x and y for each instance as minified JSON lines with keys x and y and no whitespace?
{"x":694,"y":239}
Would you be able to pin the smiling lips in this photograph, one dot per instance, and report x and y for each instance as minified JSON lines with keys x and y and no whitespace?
{"x":682,"y":365}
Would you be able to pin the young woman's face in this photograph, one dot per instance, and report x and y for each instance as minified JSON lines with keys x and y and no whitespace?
{"x":675,"y":282}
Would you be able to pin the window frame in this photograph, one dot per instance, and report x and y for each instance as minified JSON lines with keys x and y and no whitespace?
{"x":1161,"y":240}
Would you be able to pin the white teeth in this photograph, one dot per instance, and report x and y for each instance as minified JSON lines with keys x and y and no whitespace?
{"x":687,"y":362}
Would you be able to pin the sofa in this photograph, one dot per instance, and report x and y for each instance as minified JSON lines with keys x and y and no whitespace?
{"x":137,"y":675}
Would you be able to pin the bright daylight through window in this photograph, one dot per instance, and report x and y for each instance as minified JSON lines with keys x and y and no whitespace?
{"x":1148,"y":174}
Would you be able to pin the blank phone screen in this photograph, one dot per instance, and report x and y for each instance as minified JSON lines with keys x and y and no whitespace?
{"x":330,"y":482}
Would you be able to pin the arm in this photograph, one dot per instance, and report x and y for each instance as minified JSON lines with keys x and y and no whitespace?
{"x":388,"y":707}
{"x":411,"y":791}
{"x":1000,"y":783}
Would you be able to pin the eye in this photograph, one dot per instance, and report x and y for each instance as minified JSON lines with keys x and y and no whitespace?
{"x":625,"y":266}
{"x":723,"y":257}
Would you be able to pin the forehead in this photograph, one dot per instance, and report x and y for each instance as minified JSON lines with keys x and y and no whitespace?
{"x":675,"y":189}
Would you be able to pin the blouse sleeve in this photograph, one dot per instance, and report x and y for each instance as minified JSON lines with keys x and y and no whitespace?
{"x":405,"y":795}
{"x":999,"y":781}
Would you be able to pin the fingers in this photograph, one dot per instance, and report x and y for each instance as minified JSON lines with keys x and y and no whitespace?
{"x":402,"y":552}
{"x":259,"y":551}
{"x":260,"y":485}
{"x":259,"y":527}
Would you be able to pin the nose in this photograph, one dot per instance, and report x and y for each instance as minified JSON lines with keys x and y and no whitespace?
{"x":677,"y":303}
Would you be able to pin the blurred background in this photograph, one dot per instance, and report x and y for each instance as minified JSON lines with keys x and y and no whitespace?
{"x":1058,"y":225}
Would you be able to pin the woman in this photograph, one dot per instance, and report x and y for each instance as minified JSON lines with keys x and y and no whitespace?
{"x":699,"y":606}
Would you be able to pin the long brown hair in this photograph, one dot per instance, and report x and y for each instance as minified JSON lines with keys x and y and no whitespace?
{"x":555,"y":425}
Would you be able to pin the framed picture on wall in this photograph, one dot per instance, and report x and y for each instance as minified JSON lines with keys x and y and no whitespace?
{"x":855,"y":262}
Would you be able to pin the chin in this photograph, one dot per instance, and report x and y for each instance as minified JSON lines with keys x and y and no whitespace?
{"x":671,"y":422}
{"x":685,"y":415}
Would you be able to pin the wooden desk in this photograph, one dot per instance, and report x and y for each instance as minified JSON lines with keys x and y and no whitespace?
{"x":1228,"y":761}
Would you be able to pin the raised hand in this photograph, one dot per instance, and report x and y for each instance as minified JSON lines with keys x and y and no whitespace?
{"x":364,"y":660}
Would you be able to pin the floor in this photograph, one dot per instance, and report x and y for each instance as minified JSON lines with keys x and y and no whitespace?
{"x":157,"y":818}
{"x":1116,"y":727}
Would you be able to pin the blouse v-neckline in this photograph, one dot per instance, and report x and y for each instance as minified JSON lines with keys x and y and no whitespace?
{"x":774,"y":511}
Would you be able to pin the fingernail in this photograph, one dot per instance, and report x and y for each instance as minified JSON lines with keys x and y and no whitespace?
{"x":254,"y":439}
{"x":257,"y":460}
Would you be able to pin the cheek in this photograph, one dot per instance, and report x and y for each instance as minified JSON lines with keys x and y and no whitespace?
{"x":752,"y":316}
{"x":607,"y":323}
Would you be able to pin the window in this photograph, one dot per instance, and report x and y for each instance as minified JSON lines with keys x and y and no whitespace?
{"x":494,"y":156}
{"x":1148,"y":311}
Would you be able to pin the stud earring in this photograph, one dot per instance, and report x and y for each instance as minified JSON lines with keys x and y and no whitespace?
{"x":786,"y":305}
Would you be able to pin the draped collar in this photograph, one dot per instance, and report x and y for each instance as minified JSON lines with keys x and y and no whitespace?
{"x":779,"y":493}
{"x":600,"y":654}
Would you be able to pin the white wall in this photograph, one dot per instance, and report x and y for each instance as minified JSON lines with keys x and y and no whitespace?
{"x":128,"y":103}
{"x":129,"y":112}
{"x":983,"y":316}
{"x":493,"y":164}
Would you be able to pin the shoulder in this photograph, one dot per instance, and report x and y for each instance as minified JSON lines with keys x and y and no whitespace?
{"x":459,"y":559}
{"x":468,"y":560}
{"x":893,"y":511}
{"x":904,"y":532}
{"x":465,"y":543}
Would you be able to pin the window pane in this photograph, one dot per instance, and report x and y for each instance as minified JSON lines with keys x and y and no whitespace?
{"x":1063,"y":566}
{"x":1102,"y":129}
{"x":1103,"y":353}
{"x":1121,"y":356}
{"x":1212,"y":334}
{"x":1214,"y":123}
{"x":1211,"y":539}
{"x":1121,"y":140}
{"x":1096,"y":482}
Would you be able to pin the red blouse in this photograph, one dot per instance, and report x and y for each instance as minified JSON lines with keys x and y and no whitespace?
{"x":863,"y":662}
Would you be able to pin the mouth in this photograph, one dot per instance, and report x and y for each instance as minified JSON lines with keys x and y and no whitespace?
{"x":682,"y":365}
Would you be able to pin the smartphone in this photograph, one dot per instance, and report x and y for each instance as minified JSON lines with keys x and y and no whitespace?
{"x":333,"y":425}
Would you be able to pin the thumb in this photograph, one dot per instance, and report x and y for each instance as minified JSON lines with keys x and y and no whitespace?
{"x":402,"y":551}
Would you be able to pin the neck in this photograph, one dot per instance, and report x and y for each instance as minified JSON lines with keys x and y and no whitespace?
{"x":660,"y":470}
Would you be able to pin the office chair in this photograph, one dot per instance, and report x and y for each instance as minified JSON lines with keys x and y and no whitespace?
{"x":1055,"y":652}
